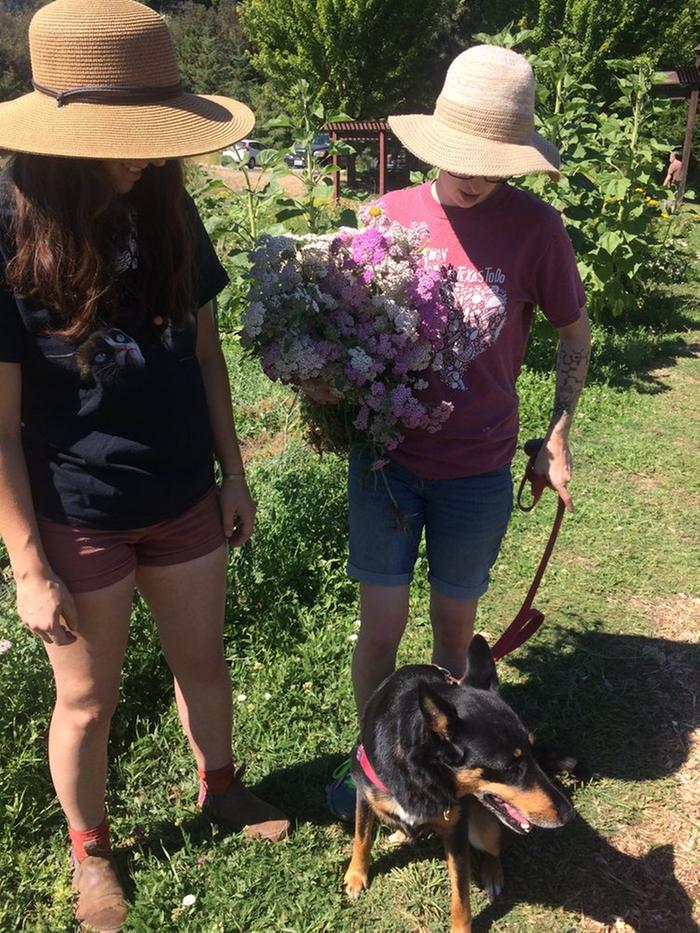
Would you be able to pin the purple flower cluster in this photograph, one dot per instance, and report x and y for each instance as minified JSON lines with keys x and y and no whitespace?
{"x":358,"y":311}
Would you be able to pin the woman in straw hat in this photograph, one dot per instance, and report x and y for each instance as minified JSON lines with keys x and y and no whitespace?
{"x":114,"y":398}
{"x":510,"y":252}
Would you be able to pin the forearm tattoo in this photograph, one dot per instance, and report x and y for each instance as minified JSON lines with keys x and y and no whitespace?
{"x":572,"y":366}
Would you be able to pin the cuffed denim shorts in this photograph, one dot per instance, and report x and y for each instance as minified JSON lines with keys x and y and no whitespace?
{"x":464,"y":521}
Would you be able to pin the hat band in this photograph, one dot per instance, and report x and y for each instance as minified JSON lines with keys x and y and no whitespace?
{"x":112,"y":93}
{"x":490,"y":124}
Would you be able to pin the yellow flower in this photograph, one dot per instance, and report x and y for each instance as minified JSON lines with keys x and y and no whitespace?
{"x":639,"y":190}
{"x":375,"y":211}
{"x":652,"y":201}
{"x":665,"y":217}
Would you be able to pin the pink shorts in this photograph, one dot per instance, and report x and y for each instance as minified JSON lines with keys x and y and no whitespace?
{"x":89,"y":559}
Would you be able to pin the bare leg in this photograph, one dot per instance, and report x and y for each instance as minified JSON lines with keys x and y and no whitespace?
{"x":383,"y":618}
{"x":187,"y":601}
{"x":87,"y":674}
{"x":453,"y":629}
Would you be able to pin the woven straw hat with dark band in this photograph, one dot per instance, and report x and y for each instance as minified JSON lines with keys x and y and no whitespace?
{"x":107,"y":86}
{"x":483,"y":122}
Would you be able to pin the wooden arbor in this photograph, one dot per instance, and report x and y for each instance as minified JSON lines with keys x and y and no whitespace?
{"x":681,"y":84}
{"x":360,"y":131}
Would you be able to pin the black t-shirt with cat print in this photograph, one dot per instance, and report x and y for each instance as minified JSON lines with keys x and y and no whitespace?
{"x":115,"y":427}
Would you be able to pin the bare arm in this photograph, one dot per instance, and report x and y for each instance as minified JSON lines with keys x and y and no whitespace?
{"x":573,"y":357}
{"x":237,"y":506}
{"x":43,"y":603}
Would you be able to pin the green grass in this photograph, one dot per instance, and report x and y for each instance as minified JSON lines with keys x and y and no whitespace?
{"x":611,"y":676}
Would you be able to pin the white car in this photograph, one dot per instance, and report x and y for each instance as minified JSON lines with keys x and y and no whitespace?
{"x":246,"y":151}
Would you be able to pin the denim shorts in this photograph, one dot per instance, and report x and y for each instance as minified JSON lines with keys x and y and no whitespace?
{"x":464,"y":520}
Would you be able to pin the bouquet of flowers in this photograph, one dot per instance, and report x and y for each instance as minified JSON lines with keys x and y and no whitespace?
{"x":358,"y":312}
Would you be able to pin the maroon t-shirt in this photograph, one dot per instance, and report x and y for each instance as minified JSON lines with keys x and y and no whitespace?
{"x":511,"y":252}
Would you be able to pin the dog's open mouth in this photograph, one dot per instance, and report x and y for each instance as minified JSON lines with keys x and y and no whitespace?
{"x":508,"y":814}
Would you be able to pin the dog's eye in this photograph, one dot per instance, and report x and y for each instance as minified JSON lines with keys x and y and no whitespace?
{"x":515,"y":766}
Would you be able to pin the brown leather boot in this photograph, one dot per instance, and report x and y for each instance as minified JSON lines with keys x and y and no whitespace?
{"x":100,"y":905}
{"x":239,"y":808}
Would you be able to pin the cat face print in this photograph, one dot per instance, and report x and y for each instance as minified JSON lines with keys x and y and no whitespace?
{"x":107,"y":353}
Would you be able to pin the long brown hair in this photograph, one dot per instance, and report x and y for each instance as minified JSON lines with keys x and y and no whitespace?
{"x":63,"y":225}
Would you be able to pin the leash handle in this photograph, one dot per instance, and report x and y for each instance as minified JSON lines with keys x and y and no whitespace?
{"x":537,"y":482}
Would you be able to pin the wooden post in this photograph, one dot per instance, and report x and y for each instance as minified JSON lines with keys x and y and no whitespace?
{"x":382,"y":163}
{"x":689,"y":131}
{"x":336,"y":173}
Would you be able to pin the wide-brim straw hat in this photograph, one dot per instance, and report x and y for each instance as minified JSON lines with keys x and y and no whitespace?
{"x":107,"y":86}
{"x":483,"y":123}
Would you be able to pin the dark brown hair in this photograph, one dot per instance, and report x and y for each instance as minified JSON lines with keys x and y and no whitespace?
{"x":65,"y":229}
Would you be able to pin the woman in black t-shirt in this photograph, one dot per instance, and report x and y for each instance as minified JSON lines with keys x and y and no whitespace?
{"x":114,"y":400}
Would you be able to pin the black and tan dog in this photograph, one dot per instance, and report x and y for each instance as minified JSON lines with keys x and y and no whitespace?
{"x":449,"y":757}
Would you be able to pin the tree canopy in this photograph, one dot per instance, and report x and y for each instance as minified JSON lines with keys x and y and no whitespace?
{"x":363,"y":56}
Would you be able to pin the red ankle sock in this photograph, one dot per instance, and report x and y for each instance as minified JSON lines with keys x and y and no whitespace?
{"x":217,"y":781}
{"x":79,"y":838}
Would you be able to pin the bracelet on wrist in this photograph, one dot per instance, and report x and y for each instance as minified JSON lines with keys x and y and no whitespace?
{"x":233,"y":475}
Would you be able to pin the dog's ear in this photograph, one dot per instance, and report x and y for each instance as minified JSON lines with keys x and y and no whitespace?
{"x":439,"y":715}
{"x":481,"y":669}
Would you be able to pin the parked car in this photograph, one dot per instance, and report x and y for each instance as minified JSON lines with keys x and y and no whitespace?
{"x":246,"y":151}
{"x":320,"y":145}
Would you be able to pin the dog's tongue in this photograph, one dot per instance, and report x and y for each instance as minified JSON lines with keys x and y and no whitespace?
{"x":516,"y":815}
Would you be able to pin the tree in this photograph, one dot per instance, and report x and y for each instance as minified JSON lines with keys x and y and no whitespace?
{"x":365,"y":57}
{"x":212,"y":49}
{"x":15,"y":68}
{"x":665,"y":33}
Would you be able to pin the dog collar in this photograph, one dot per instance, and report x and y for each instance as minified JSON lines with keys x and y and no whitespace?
{"x":450,"y":678}
{"x":369,"y":771}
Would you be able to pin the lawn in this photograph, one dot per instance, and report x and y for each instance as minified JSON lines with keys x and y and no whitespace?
{"x":612,"y":676}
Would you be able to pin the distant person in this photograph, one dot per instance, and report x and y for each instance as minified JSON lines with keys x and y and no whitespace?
{"x":675,"y":169}
{"x":114,"y":401}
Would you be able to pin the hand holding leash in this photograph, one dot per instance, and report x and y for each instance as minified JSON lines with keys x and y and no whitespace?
{"x":529,"y":619}
{"x":538,"y":473}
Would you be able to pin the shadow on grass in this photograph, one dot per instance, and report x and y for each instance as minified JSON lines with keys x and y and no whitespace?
{"x":297,"y":790}
{"x":626,"y":705}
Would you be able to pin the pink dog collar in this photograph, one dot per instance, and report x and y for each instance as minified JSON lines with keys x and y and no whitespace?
{"x":369,"y":771}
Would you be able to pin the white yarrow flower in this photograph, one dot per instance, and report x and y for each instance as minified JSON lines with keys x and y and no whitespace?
{"x":189,"y":900}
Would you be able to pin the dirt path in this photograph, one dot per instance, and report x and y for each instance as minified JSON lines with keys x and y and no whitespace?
{"x":235,"y":179}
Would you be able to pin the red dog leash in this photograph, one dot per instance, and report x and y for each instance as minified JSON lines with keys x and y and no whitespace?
{"x":529,"y":619}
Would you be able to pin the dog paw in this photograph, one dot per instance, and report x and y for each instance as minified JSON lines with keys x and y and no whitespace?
{"x":491,"y":875}
{"x":355,"y":883}
{"x":397,"y":838}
